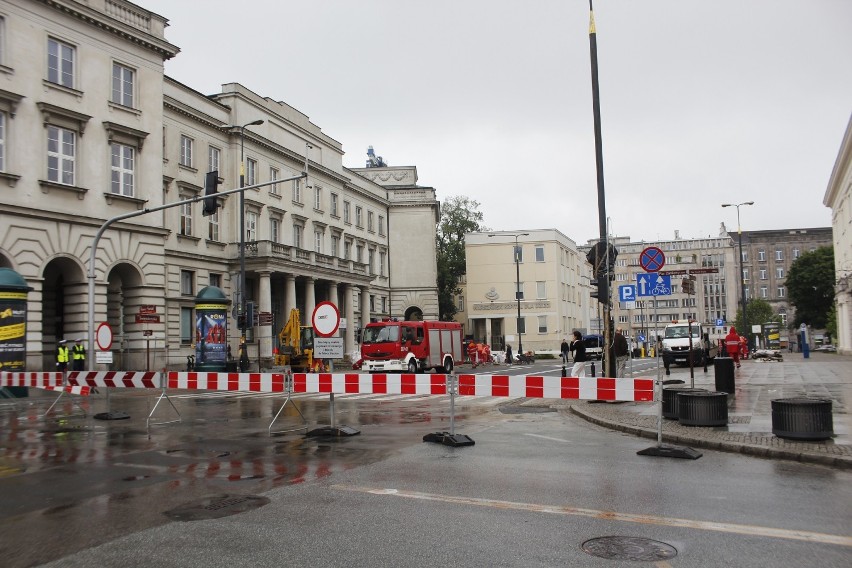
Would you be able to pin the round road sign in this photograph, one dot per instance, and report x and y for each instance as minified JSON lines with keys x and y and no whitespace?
{"x":325,"y":319}
{"x":652,"y":259}
{"x":104,"y":337}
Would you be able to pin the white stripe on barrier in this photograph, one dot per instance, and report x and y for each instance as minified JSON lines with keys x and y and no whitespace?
{"x":515,"y":386}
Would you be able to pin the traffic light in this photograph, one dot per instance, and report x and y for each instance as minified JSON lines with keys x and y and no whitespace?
{"x":687,"y":286}
{"x":599,"y":290}
{"x":595,"y":289}
{"x":211,"y":187}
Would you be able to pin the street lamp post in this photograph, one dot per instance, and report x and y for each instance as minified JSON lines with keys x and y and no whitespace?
{"x":242,"y":307}
{"x":742,"y":269}
{"x":517,"y":286}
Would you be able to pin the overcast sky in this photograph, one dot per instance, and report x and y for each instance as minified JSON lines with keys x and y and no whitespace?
{"x":702,"y":102}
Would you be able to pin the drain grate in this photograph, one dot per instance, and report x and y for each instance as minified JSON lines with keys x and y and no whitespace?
{"x":216,"y":507}
{"x":525,"y":409}
{"x":628,"y":548}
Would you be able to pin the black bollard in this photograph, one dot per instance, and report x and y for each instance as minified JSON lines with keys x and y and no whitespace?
{"x":593,"y":369}
{"x":564,"y":372}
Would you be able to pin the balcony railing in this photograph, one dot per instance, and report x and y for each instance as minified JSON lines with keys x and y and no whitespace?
{"x":269,"y":249}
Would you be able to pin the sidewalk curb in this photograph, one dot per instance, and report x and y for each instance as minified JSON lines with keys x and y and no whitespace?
{"x":840,"y":462}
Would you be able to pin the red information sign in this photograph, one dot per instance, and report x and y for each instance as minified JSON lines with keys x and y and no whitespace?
{"x":325,"y":319}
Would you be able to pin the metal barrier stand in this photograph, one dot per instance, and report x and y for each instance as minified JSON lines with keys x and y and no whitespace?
{"x":288,"y":388}
{"x":61,"y":393}
{"x":333,"y":430}
{"x":451,"y":438}
{"x":163,"y":395}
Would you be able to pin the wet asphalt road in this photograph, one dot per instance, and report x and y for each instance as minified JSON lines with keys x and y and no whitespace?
{"x":534,"y":488}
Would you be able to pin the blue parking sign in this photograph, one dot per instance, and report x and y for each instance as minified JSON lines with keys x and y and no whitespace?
{"x":627,"y":293}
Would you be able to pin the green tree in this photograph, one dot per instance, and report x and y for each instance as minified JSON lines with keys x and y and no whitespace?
{"x":810,"y":286}
{"x":759,"y":311}
{"x":831,"y":325}
{"x":459,"y":216}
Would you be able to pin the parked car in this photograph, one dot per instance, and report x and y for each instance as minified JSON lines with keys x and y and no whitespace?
{"x":827,"y":348}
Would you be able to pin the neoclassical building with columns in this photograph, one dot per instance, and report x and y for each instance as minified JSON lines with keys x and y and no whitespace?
{"x":91,"y":129}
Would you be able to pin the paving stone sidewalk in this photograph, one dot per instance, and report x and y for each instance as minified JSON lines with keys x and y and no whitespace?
{"x":749,"y":428}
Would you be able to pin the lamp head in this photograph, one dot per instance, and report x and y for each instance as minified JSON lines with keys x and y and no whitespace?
{"x":257,"y":122}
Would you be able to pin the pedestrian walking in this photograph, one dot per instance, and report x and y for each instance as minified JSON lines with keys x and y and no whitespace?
{"x":78,"y":355}
{"x":579,"y":350}
{"x":622,"y":353}
{"x":509,"y":354}
{"x":62,"y":356}
{"x":732,"y":344}
{"x":565,"y":349}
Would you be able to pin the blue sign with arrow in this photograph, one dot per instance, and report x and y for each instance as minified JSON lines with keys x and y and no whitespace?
{"x":653,"y":285}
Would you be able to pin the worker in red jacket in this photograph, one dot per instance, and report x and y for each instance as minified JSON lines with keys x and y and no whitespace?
{"x":732,"y":345}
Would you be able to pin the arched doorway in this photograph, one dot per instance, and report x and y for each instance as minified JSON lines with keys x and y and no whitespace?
{"x":413,"y":314}
{"x":64,"y":302}
{"x":124,"y":283}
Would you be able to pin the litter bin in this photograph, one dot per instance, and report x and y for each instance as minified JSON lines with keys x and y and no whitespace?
{"x":670,"y":399}
{"x":231,"y":366}
{"x":702,"y":408}
{"x":723,"y":367}
{"x":802,"y":418}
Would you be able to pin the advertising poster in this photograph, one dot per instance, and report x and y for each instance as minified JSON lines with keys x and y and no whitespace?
{"x":211,"y":337}
{"x":13,"y":330}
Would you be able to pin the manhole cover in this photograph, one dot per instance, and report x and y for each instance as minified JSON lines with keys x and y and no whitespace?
{"x":216,"y":507}
{"x":525,"y":409}
{"x":628,"y":548}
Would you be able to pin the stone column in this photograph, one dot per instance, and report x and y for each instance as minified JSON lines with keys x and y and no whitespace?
{"x":310,"y":299}
{"x":264,"y":332}
{"x":349,"y":307}
{"x":289,"y":295}
{"x":332,"y":294}
{"x":365,"y":306}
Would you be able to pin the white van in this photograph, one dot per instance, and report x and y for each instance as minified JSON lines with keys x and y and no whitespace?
{"x":676,"y":344}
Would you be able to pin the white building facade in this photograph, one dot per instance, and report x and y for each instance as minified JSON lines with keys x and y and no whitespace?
{"x":838,"y":197}
{"x":550,"y":275}
{"x":91,"y":129}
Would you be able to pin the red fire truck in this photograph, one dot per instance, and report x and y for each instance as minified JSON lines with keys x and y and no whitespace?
{"x":412,"y":346}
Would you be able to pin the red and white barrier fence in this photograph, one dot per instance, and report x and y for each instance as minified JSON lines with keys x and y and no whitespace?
{"x":530,"y":386}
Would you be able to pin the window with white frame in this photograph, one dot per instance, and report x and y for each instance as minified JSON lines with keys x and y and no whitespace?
{"x":122,"y":84}
{"x":297,"y":191}
{"x":541,"y":290}
{"x":251,"y":226}
{"x":318,"y":241}
{"x":334,"y":205}
{"x":796,"y":253}
{"x":381,"y":225}
{"x":370,"y":222}
{"x":187,"y":326}
{"x":779,"y":272}
{"x":522,"y":325}
{"x":519,"y":290}
{"x":745,"y":274}
{"x":213,"y":226}
{"x":214,"y":156}
{"x":61,"y":155}
{"x":371,"y":261}
{"x":359,"y":253}
{"x":2,"y":40}
{"x":298,"y":229}
{"x":214,"y":279}
{"x":518,"y":252}
{"x":782,"y":293}
{"x":317,"y":198}
{"x":346,"y":210}
{"x":460,"y":303}
{"x":763,"y":274}
{"x":382,"y":258}
{"x":60,"y":62}
{"x":359,"y":221}
{"x":186,"y":219}
{"x":185,"y":151}
{"x":275,"y":230}
{"x":542,"y":324}
{"x":123,"y":169}
{"x":251,"y":171}
{"x":539,"y":254}
{"x":745,"y":256}
{"x":274,"y":174}
{"x":347,"y":250}
{"x":761,"y":255}
{"x":335,"y":245}
{"x":764,"y":292}
{"x":187,"y":283}
{"x":779,"y":254}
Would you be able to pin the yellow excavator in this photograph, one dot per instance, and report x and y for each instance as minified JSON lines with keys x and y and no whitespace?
{"x":296,"y":345}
